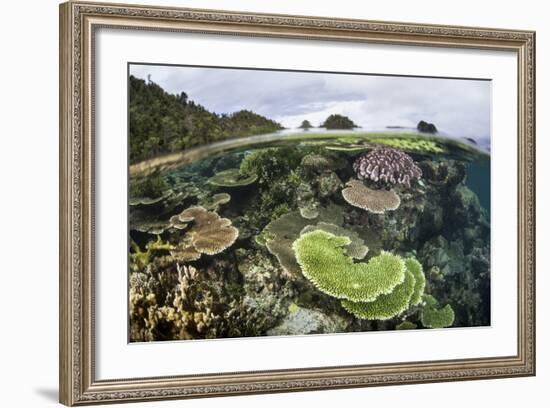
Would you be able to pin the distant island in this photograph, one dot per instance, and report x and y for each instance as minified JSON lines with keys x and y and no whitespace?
{"x":426,"y":127}
{"x":306,"y":125}
{"x":161,"y":122}
{"x":338,"y":122}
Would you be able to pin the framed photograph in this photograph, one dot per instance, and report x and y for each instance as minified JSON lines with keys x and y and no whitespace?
{"x":256,"y":203}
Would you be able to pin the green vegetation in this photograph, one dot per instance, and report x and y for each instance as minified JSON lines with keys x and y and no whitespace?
{"x":338,"y":122}
{"x":161,"y":122}
{"x":151,"y":187}
{"x":279,"y":211}
{"x":270,"y":164}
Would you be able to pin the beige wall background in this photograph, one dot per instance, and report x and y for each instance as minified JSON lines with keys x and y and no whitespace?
{"x":28,"y":203}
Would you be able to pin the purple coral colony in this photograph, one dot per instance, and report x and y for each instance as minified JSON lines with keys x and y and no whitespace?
{"x":387,"y":165}
{"x":320,"y":232}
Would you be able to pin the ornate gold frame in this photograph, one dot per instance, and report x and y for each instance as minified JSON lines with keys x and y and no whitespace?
{"x":78,"y":22}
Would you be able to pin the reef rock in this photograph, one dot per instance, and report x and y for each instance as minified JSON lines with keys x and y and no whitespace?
{"x":309,"y":321}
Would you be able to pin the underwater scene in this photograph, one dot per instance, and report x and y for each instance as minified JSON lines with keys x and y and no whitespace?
{"x":241,"y":225}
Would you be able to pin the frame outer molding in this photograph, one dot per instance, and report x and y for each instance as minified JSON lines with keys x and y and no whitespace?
{"x":78,"y":20}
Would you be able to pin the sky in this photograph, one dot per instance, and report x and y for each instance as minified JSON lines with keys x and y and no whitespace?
{"x":458,"y":107}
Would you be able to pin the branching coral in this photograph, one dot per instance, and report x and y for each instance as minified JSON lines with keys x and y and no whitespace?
{"x":190,"y":308}
{"x":316,"y":163}
{"x":375,"y":201}
{"x":152,"y":186}
{"x":177,"y":302}
{"x":232,"y":178}
{"x":270,"y":164}
{"x":323,"y":261}
{"x":139,"y":259}
{"x":387,"y":165}
{"x":209,"y":234}
{"x":434,"y":317}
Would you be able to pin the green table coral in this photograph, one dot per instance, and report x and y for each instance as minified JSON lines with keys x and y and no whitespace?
{"x":379,"y":289}
{"x":231,"y":178}
{"x":384,"y":306}
{"x":356,"y":249}
{"x":416,"y":144}
{"x":279,"y":235}
{"x":434,"y":317}
{"x":323,"y":261}
{"x":406,"y":325}
{"x":415,"y":268}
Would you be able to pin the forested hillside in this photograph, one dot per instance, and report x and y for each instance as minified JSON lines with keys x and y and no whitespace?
{"x":161,"y":122}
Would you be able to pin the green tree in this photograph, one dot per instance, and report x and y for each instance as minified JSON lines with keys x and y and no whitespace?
{"x":161,"y":122}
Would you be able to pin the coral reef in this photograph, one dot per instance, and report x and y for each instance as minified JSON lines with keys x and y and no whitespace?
{"x":270,"y":241}
{"x":387,"y":165}
{"x":375,"y":201}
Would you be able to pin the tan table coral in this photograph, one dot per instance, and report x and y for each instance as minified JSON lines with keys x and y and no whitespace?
{"x":208,"y":234}
{"x":375,"y":201}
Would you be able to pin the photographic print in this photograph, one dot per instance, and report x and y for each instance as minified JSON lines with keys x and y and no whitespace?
{"x":275,"y":203}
